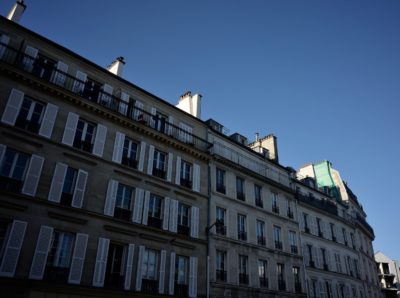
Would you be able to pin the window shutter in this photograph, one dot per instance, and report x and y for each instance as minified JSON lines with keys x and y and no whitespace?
{"x":138,"y":207}
{"x":124,"y":103}
{"x":194,"y":222}
{"x":57,"y":182}
{"x":306,"y":256}
{"x":139,"y":269}
{"x":138,"y":113}
{"x":78,"y":258}
{"x":79,"y":192}
{"x":301,"y":221}
{"x":173,"y":216}
{"x":33,"y":175}
{"x":4,"y":40}
{"x":118,"y":147}
{"x":13,"y":248}
{"x":2,"y":151}
{"x":146,"y":207}
{"x":101,"y":133}
{"x":193,"y":277}
{"x":13,"y":106}
{"x":172,"y":274}
{"x":178,"y":170}
{"x":150,"y":160}
{"x":49,"y":118}
{"x":79,"y":83}
{"x":29,"y":58}
{"x":41,"y":251}
{"x":110,"y":197}
{"x":129,"y":264}
{"x":169,"y":166}
{"x":106,"y":95}
{"x":170,"y":124}
{"x":196,"y":177}
{"x":166,"y":213}
{"x":162,"y":272}
{"x":141,"y":156}
{"x":70,"y":129}
{"x":101,"y":262}
{"x":153,"y":113}
{"x":328,"y":259}
{"x":59,"y":75}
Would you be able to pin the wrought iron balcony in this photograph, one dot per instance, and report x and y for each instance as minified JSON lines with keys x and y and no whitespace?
{"x":32,"y":126}
{"x":242,"y":235}
{"x":56,"y":274}
{"x":122,"y":213}
{"x":220,"y":230}
{"x":130,"y":162}
{"x":114,"y":281}
{"x":259,"y":203}
{"x":183,"y":230}
{"x":149,"y":286}
{"x":261,"y":240}
{"x":160,"y":173}
{"x":294,"y":249}
{"x":240,"y":196}
{"x":281,"y":285}
{"x":181,"y":290}
{"x":66,"y":199}
{"x":263,"y":282}
{"x":307,"y":230}
{"x":154,"y":222}
{"x":221,"y":275}
{"x":10,"y":184}
{"x":243,"y":278}
{"x":186,"y":183}
{"x":275,"y":209}
{"x":221,"y":188}
{"x":278,"y":245}
{"x":83,"y":145}
{"x":325,"y":205}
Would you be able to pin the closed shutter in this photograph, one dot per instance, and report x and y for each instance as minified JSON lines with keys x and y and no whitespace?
{"x":162,"y":272}
{"x":111,"y":195}
{"x":138,"y":113}
{"x":33,"y":175}
{"x":170,"y":124}
{"x":173,"y":216}
{"x":78,"y":259}
{"x":59,"y":75}
{"x":124,"y":103}
{"x":194,"y":222}
{"x":153,"y":113}
{"x":101,"y":133}
{"x":118,"y":147}
{"x":4,"y":39}
{"x":79,"y":83}
{"x":146,"y":207}
{"x":193,"y":277}
{"x":314,"y":229}
{"x":138,"y":207}
{"x":79,"y":192}
{"x":172,"y":274}
{"x":41,"y":251}
{"x":141,"y":156}
{"x":106,"y":96}
{"x":49,"y":118}
{"x":196,"y":177}
{"x":57,"y":182}
{"x":169,"y":167}
{"x":13,"y":248}
{"x":29,"y":58}
{"x":101,"y":262}
{"x":178,"y":170}
{"x":129,"y":264}
{"x":13,"y":106}
{"x":70,"y":129}
{"x":139,"y":268}
{"x":166,"y":213}
{"x":150,"y":160}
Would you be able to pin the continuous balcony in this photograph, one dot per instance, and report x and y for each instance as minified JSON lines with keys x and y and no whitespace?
{"x":325,"y":205}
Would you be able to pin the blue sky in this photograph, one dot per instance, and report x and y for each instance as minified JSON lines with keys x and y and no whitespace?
{"x":323,"y":76}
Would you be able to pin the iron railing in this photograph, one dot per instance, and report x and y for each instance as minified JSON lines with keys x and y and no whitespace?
{"x":325,"y":205}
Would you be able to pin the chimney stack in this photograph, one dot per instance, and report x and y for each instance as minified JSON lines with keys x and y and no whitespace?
{"x":190,"y":103}
{"x":16,"y":11}
{"x":117,"y":66}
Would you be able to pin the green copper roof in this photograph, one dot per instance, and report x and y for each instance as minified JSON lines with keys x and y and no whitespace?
{"x":323,"y":176}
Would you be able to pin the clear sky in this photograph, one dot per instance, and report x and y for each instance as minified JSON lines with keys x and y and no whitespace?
{"x":323,"y":76}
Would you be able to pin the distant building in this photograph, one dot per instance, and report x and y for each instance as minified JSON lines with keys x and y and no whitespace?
{"x":388,"y":274}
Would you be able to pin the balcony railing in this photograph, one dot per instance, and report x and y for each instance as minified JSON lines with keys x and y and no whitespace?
{"x":242,"y":235}
{"x":221,"y":188}
{"x":259,"y":203}
{"x":94,"y":93}
{"x":312,"y":264}
{"x":297,"y":287}
{"x":294,"y":249}
{"x":263,"y":282}
{"x":83,"y":145}
{"x":154,"y":222}
{"x":307,"y":230}
{"x":10,"y":184}
{"x":220,"y":230}
{"x":66,"y":199}
{"x":186,"y":183}
{"x":130,"y":162}
{"x":325,"y":205}
{"x":261,"y":240}
{"x":243,"y":278}
{"x":160,"y":173}
{"x":275,"y":209}
{"x":183,"y":230}
{"x":278,"y":245}
{"x":290,"y":213}
{"x":114,"y":281}
{"x":122,"y":213}
{"x":221,"y":275}
{"x":240,"y":196}
{"x":281,"y":285}
{"x":56,"y":274}
{"x":181,"y":290}
{"x":149,"y":286}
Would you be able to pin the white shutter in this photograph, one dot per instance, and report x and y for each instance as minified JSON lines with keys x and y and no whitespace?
{"x":79,"y":191}
{"x":29,"y":58}
{"x":41,"y":251}
{"x":146,"y":207}
{"x":4,"y":39}
{"x":193,"y":277}
{"x":48,"y":121}
{"x":138,"y":112}
{"x":101,"y":133}
{"x":153,"y":113}
{"x":124,"y":103}
{"x":106,"y":96}
{"x":59,"y":75}
{"x":169,"y":167}
{"x":170,"y":124}
{"x":110,"y":197}
{"x":194,"y":222}
{"x":173,"y":216}
{"x":178,"y":170}
{"x":141,"y":156}
{"x":14,"y":103}
{"x":129,"y":264}
{"x":70,"y":129}
{"x":13,"y":248}
{"x":162,"y":272}
{"x":79,"y":84}
{"x":101,"y":262}
{"x":139,"y":269}
{"x":138,"y":207}
{"x":150,"y":160}
{"x":57,"y":182}
{"x":196,"y":177}
{"x":33,"y":175}
{"x":78,"y":258}
{"x":166,"y":213}
{"x":118,"y":147}
{"x":172,"y":274}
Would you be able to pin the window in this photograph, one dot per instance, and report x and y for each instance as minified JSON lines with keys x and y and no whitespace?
{"x":183,"y":219}
{"x":344,"y":236}
{"x":310,"y":253}
{"x":240,"y":189}
{"x":243,"y":271}
{"x":30,"y":115}
{"x":280,"y":271}
{"x":154,"y":215}
{"x":241,"y":222}
{"x":275,"y":207}
{"x":221,"y":259}
{"x":356,"y":269}
{"x":220,"y":176}
{"x":13,"y":170}
{"x":69,"y":186}
{"x":324,"y":259}
{"x":123,"y":202}
{"x":262,"y":273}
{"x":305,"y":220}
{"x":333,"y":235}
{"x":296,"y":279}
{"x":149,"y":271}
{"x":338,"y":263}
{"x":314,"y":288}
{"x":277,"y":237}
{"x":352,"y":240}
{"x":186,"y":174}
{"x":257,"y":195}
{"x":260,"y":226}
{"x":114,"y":276}
{"x":159,"y":164}
{"x":319,"y":227}
{"x":328,"y":288}
{"x":160,"y":122}
{"x":84,"y":136}
{"x":181,"y":276}
{"x":289,"y":210}
{"x":220,"y":218}
{"x":129,"y":153}
{"x":43,"y":67}
{"x":91,"y":89}
{"x":293,"y":242}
